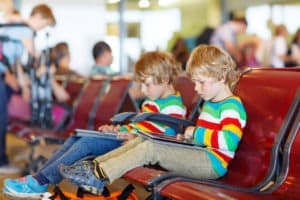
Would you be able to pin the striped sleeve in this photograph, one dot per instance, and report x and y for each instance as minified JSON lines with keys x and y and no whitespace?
{"x":221,"y":130}
{"x":219,"y":127}
{"x":172,"y":105}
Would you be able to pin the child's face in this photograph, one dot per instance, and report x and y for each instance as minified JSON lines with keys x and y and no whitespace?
{"x":208,"y":88}
{"x":152,"y":90}
{"x":40,"y":22}
{"x":107,"y":58}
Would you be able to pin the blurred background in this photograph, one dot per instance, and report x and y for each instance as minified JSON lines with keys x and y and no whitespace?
{"x":134,"y":26}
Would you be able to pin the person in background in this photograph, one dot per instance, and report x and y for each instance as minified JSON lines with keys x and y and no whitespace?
{"x":41,"y":16}
{"x":294,"y":51}
{"x":279,"y":47}
{"x":8,"y":13}
{"x":181,"y":51}
{"x":60,"y":55}
{"x":249,"y":53}
{"x":225,"y":36}
{"x":103,"y":58}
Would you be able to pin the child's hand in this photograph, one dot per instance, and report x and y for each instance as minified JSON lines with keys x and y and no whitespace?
{"x":109,"y":128}
{"x":179,"y":136}
{"x":126,"y":136}
{"x":189,"y":132}
{"x":11,"y":80}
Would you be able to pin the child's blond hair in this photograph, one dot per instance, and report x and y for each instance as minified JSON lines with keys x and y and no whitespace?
{"x":156,"y":64}
{"x":45,"y":11}
{"x":213,"y":62}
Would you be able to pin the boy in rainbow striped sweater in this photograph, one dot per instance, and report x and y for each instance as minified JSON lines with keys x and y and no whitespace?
{"x":157,"y":72}
{"x":219,"y":128}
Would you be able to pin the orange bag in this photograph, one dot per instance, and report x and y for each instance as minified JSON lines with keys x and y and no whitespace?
{"x":126,"y":194}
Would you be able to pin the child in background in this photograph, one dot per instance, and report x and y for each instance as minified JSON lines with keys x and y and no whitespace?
{"x":60,"y":55}
{"x":279,"y":47}
{"x":219,"y":127}
{"x":248,"y":50}
{"x":156,"y":71}
{"x":103,"y":59}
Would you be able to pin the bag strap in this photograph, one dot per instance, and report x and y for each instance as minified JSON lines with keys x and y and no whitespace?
{"x":17,"y":25}
{"x":80,"y":193}
{"x":13,"y":25}
{"x":126,"y":192}
{"x":58,"y":193}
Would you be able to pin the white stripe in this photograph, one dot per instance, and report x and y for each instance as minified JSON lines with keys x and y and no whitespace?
{"x":221,"y":140}
{"x":174,"y":109}
{"x":230,"y":154}
{"x":233,"y":114}
{"x":156,"y":126}
{"x":208,"y":117}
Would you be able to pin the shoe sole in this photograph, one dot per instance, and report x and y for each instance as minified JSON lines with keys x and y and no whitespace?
{"x":22,"y":196}
{"x":13,"y":196}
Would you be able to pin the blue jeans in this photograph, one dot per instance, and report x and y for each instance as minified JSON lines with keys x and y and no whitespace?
{"x":3,"y":123}
{"x":74,"y":149}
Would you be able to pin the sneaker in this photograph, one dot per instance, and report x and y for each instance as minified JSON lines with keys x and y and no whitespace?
{"x":83,"y":177}
{"x":9,"y":169}
{"x":26,"y":186}
{"x":81,"y":165}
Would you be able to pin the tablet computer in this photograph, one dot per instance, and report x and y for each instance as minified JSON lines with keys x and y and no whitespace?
{"x":169,"y":140}
{"x":98,"y":134}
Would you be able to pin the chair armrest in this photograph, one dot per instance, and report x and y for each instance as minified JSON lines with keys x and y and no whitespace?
{"x":174,"y":122}
{"x":122,"y":117}
{"x":163,"y":118}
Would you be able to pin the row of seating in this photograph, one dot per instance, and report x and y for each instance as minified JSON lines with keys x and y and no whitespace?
{"x":265,"y":165}
{"x":93,"y":102}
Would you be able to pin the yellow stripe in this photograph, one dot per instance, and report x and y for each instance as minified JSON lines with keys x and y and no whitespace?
{"x":140,"y":126}
{"x":207,"y":137}
{"x":145,"y":109}
{"x":223,"y":162}
{"x":236,"y":130}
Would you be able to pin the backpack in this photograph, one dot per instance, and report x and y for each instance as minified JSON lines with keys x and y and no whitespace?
{"x":41,"y":91}
{"x":125,"y":194}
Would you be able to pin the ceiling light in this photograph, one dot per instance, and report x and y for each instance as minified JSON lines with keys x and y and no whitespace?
{"x":113,"y":1}
{"x":144,"y":3}
{"x":167,"y":2}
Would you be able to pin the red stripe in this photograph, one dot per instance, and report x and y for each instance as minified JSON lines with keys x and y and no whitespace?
{"x":214,"y":139}
{"x":229,"y":120}
{"x":207,"y":124}
{"x":177,"y":115}
{"x":153,"y":108}
{"x":225,"y":157}
{"x":150,"y":126}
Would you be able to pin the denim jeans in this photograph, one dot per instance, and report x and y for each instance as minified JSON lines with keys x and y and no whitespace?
{"x":3,"y":123}
{"x":74,"y":149}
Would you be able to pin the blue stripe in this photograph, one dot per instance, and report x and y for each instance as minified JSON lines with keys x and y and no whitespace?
{"x":216,"y":165}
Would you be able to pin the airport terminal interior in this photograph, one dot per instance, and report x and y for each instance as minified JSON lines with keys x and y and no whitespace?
{"x":127,"y":29}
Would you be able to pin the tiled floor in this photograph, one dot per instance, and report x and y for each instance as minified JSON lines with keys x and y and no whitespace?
{"x":17,"y":149}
